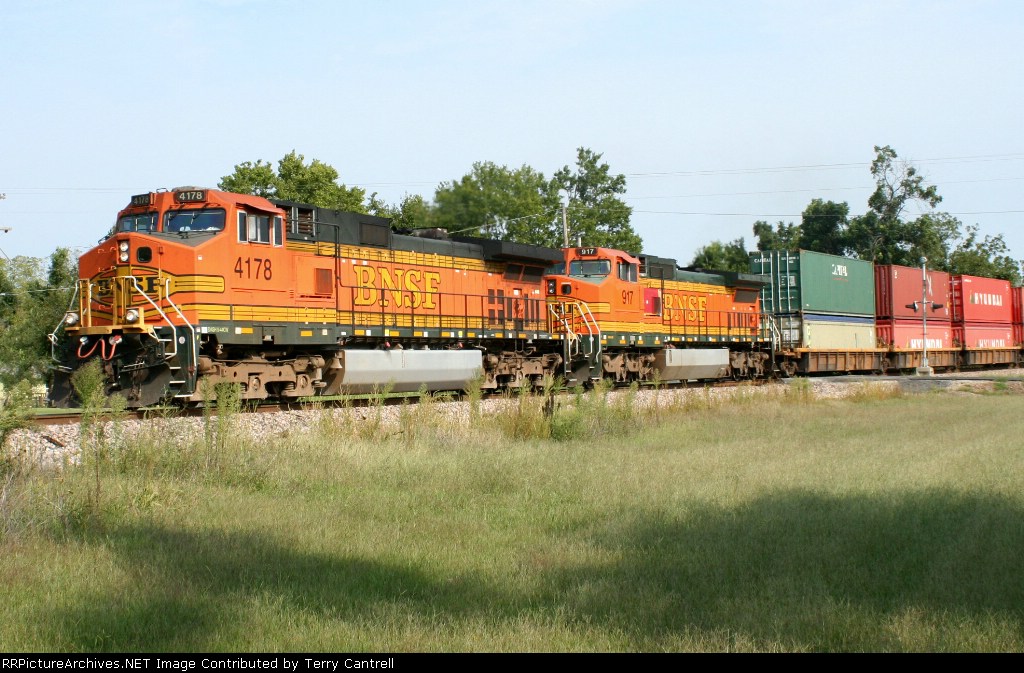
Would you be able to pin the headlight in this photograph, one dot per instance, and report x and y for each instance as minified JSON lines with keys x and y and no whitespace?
{"x":124,"y":256}
{"x":70,"y":318}
{"x":123,"y":247}
{"x":131,"y":316}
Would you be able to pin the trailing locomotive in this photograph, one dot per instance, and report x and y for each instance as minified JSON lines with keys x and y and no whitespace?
{"x":643,"y":318}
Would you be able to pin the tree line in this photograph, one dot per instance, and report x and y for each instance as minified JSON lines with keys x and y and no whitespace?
{"x":883,"y":234}
{"x":514,"y":204}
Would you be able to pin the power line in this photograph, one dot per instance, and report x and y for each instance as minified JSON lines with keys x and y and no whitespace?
{"x":683,"y":212}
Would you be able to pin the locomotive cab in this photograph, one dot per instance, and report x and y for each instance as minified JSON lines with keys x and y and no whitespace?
{"x":136,"y":308}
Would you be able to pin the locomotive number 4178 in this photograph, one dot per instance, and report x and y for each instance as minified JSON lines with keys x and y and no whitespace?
{"x":253,"y":268}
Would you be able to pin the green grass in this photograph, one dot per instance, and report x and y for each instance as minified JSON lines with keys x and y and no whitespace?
{"x":786,"y":524}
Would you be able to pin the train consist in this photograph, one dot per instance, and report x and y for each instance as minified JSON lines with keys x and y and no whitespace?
{"x":194,"y":287}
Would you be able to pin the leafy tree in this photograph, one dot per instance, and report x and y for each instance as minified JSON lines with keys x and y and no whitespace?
{"x":41,"y":296}
{"x":897,"y":184}
{"x":880,"y":234}
{"x":597,"y":214}
{"x":988,"y":257}
{"x":720,"y":256}
{"x":257,"y":178}
{"x":413,"y":212}
{"x":823,"y":227}
{"x":295,"y":180}
{"x":495,"y":201}
{"x":783,"y":237}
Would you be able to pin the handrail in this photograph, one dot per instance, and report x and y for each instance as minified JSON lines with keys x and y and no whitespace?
{"x":52,"y":336}
{"x":586,"y":317}
{"x":167,"y":298}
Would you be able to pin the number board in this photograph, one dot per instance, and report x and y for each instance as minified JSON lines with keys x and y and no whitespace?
{"x":190,"y":196}
{"x":142,"y":200}
{"x":586,"y":252}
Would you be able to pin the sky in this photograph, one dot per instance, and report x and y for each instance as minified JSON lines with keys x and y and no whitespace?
{"x":718,"y":113}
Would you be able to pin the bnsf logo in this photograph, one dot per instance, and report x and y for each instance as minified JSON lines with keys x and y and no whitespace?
{"x":104,"y":287}
{"x":407,"y":288}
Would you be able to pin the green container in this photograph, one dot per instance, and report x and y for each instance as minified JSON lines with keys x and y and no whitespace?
{"x":813,"y":282}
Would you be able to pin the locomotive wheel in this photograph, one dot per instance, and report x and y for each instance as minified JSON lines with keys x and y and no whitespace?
{"x":787,"y":368}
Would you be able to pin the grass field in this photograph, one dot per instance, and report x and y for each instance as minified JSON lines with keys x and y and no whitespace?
{"x":879,"y":523}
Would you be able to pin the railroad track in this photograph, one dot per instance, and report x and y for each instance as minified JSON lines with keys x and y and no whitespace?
{"x":49,"y":416}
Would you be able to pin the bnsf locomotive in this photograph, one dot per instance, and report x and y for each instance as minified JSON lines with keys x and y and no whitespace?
{"x":197,"y":286}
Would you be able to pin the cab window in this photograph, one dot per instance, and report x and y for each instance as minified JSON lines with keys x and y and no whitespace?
{"x":590,"y":267}
{"x":627,"y":272}
{"x":144,"y":223}
{"x":180,"y":221}
{"x":259,"y":228}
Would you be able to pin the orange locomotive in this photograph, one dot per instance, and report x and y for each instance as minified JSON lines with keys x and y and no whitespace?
{"x":644,"y":319}
{"x":289,"y":301}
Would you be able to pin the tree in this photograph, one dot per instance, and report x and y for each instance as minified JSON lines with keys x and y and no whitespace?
{"x":880,"y":235}
{"x":720,"y":256}
{"x":823,"y":227}
{"x":988,"y":257}
{"x":782,"y":237}
{"x":498,"y":202}
{"x":40,"y":301}
{"x":596,"y":214}
{"x":314,"y":183}
{"x":258,"y":179}
{"x":413,"y":212}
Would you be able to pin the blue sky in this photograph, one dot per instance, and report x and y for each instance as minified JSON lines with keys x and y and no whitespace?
{"x":718,"y":113}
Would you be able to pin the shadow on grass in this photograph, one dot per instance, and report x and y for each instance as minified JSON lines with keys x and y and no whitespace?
{"x":809,"y":571}
{"x":196,"y":591}
{"x":794,"y":570}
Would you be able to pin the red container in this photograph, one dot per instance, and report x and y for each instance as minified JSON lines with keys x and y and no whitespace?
{"x":975,"y":335}
{"x":1017,"y":293}
{"x":981,"y":300}
{"x":898,"y":286}
{"x":904,"y":334}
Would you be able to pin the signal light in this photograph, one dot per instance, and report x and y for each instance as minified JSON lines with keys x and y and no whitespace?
{"x":131,"y":316}
{"x":71,"y":318}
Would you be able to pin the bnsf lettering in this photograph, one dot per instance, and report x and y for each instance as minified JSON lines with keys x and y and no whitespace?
{"x":104,"y":287}
{"x":679,"y":308}
{"x":400,"y":288}
{"x":986,"y":299}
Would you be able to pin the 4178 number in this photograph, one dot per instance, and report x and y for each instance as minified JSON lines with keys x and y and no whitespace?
{"x":253,"y":268}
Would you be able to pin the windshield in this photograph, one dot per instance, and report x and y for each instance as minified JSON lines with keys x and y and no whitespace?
{"x":556,"y":269}
{"x":145,"y":222}
{"x":590,"y":267}
{"x":194,"y":220}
